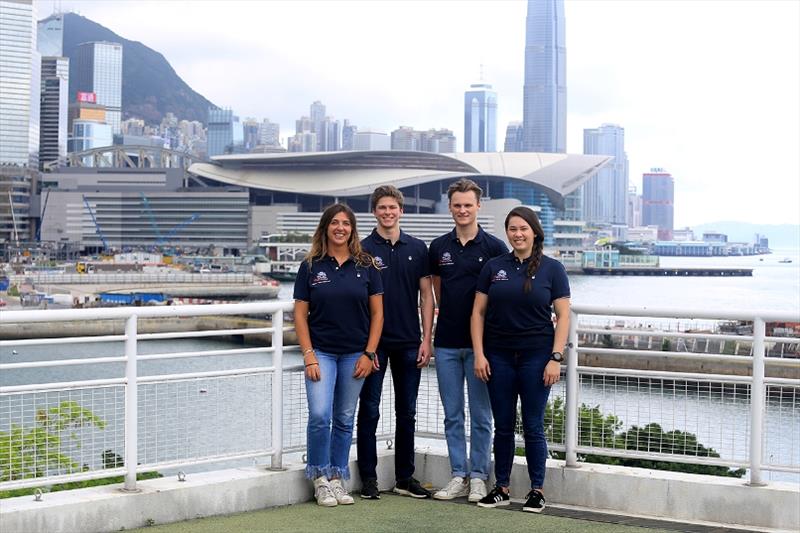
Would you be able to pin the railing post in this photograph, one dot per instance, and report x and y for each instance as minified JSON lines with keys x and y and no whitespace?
{"x":131,"y":405}
{"x":757,"y":403}
{"x":277,"y":390}
{"x":571,"y":413}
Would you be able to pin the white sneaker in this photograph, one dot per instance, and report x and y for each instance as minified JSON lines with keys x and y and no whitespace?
{"x":340,"y":493}
{"x":477,"y":490}
{"x":323,"y":493}
{"x":455,"y":489}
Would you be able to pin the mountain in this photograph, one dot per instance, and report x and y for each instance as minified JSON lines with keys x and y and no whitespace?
{"x":150,"y":86}
{"x":779,"y":235}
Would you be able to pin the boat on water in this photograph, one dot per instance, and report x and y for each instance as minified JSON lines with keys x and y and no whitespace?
{"x":785,"y":260}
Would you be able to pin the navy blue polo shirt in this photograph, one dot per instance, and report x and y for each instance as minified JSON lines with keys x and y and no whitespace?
{"x":401,"y":266}
{"x":458,"y":267}
{"x":338,"y":302}
{"x":516,"y":320}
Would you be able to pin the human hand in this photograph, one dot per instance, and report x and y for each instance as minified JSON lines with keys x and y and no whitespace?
{"x":424,"y":354}
{"x":552,"y":373}
{"x":363,"y":367}
{"x":312,"y":369}
{"x":482,"y":370}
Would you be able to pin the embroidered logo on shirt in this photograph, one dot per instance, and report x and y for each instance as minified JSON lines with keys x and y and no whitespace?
{"x":379,"y":263}
{"x":319,"y":279}
{"x":500,"y":275}
{"x":446,"y":259}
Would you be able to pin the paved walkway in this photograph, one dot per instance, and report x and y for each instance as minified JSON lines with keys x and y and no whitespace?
{"x":394,"y":513}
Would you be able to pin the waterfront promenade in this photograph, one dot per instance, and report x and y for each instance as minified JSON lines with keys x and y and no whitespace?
{"x":247,"y":403}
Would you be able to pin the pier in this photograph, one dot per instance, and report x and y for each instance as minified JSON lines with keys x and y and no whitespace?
{"x":662,"y":271}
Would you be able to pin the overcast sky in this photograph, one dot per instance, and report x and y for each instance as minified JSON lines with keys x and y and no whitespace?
{"x":708,"y":90}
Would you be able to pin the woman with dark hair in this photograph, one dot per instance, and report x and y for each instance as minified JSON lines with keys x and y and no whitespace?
{"x":338,"y":313}
{"x":518,"y":352}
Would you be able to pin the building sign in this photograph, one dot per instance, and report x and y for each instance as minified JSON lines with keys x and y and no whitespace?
{"x":90,"y":98}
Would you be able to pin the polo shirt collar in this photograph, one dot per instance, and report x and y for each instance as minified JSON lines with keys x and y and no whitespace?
{"x":331,"y":259}
{"x":478,"y":236}
{"x":513,"y":258}
{"x":379,"y":239}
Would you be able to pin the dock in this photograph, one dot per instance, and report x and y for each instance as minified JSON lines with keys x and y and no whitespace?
{"x":662,"y":271}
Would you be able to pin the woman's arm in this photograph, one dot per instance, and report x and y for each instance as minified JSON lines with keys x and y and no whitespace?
{"x":364,"y":365}
{"x":476,"y":321}
{"x":552,"y":372}
{"x":304,"y":339}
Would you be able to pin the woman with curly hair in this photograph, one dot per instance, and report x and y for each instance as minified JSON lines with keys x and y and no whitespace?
{"x":338,"y":314}
{"x":518,"y":352}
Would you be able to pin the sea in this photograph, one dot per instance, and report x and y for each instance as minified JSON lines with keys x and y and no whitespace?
{"x":711,"y":413}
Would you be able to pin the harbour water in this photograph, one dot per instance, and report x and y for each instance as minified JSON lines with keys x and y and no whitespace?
{"x":711,"y":414}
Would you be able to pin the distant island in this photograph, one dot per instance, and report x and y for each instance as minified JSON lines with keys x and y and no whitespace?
{"x":779,"y":235}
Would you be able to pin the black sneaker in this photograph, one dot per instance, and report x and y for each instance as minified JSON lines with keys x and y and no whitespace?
{"x":535,"y":502}
{"x":411,"y":487}
{"x":369,"y":490}
{"x":496,"y":498}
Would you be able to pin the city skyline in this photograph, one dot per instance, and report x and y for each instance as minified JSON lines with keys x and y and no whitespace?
{"x":679,"y":100}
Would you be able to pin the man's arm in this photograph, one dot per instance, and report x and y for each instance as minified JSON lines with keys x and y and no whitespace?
{"x":426,"y":307}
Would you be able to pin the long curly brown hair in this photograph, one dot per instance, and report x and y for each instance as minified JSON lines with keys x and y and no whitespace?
{"x":528,"y":215}
{"x":319,"y":242}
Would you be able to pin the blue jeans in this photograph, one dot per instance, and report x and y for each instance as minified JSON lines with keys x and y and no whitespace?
{"x":519,"y":374}
{"x":331,"y":410}
{"x":405,"y":376}
{"x":453,"y":366}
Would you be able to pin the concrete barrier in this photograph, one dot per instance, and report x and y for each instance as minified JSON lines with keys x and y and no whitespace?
{"x":684,"y":498}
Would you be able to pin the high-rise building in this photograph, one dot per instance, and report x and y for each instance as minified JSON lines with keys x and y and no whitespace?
{"x":545,"y":92}
{"x":658,"y":198}
{"x":53,"y":110}
{"x":405,"y":138}
{"x":348,"y":133}
{"x":317,"y":116}
{"x":480,"y":118}
{"x":605,"y":193}
{"x":225,"y":133}
{"x":250,"y":129}
{"x":329,"y":135}
{"x":634,"y":207}
{"x":513,"y":141}
{"x":371,"y":140}
{"x":50,"y":35}
{"x":98,"y":69}
{"x":269,"y":133}
{"x":20,"y":95}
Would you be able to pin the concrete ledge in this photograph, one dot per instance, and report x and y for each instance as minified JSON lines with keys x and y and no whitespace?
{"x":672,"y":496}
{"x":640,"y":492}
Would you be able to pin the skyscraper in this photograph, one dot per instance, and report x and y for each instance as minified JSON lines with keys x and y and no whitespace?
{"x":19,"y":116}
{"x":317,"y":115}
{"x":50,"y":35}
{"x":658,"y":198}
{"x":513,"y":141}
{"x":225,"y":133}
{"x":544,"y":104}
{"x":269,"y":133}
{"x":98,"y":69}
{"x":53,"y":114}
{"x":605,"y":194}
{"x":480,"y":118}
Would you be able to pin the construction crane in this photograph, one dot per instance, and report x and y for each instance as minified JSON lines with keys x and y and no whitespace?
{"x":96,"y":225}
{"x":165,"y":238}
{"x":41,"y":220}
{"x":152,"y":217}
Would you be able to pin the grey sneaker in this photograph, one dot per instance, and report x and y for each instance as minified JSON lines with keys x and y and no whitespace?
{"x":323,"y":493}
{"x":340,"y":493}
{"x":457,"y":488}
{"x":477,"y":490}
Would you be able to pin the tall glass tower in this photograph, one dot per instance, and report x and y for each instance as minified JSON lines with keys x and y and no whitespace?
{"x":605,"y":193}
{"x":544,"y":105}
{"x":98,"y":68}
{"x":480,"y":118}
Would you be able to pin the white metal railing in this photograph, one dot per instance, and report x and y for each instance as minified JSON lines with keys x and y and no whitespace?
{"x":100,"y":278}
{"x":195,"y":403}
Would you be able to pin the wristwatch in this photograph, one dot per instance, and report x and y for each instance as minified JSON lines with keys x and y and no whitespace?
{"x":371,"y":355}
{"x":558,"y":357}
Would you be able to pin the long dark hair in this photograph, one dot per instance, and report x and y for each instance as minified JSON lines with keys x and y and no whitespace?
{"x":319,"y":243}
{"x":528,"y":215}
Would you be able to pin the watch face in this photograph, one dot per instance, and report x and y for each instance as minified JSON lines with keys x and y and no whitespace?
{"x":557,"y":357}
